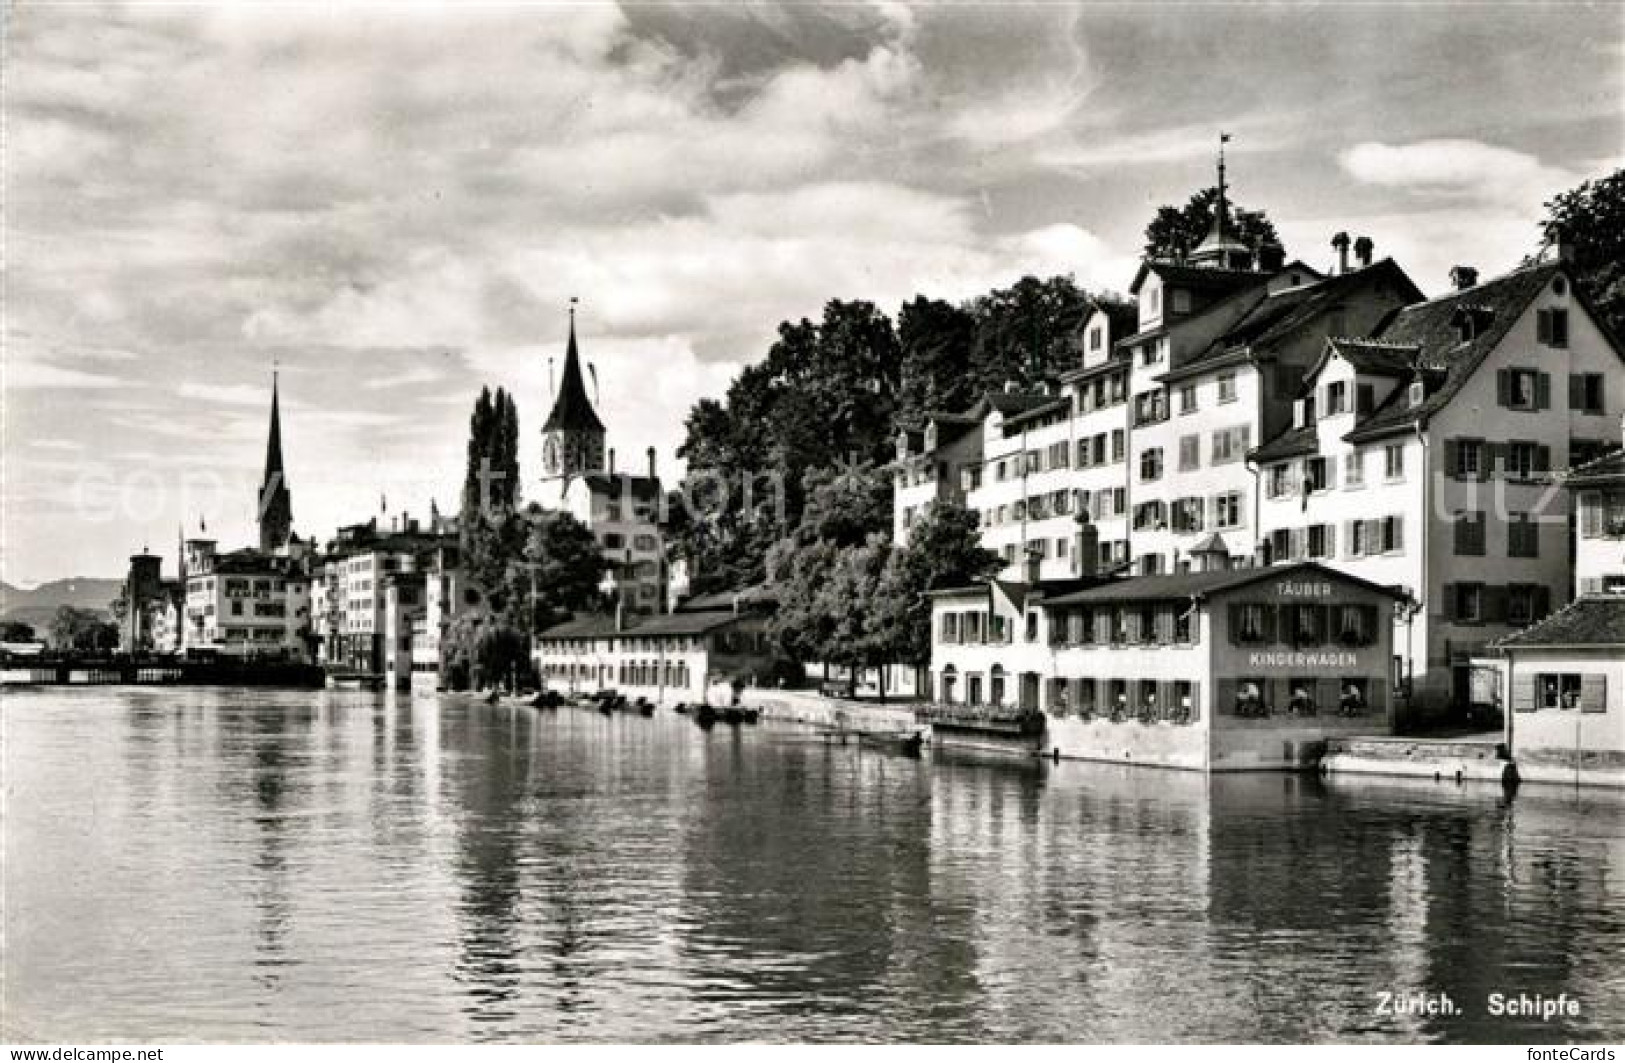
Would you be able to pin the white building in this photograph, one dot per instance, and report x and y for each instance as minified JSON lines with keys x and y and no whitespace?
{"x":1423,"y":460}
{"x":246,"y":603}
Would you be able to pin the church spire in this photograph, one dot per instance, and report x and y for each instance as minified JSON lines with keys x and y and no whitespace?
{"x":275,"y":501}
{"x":573,"y":437}
{"x":1221,"y":248}
{"x":572,"y":409}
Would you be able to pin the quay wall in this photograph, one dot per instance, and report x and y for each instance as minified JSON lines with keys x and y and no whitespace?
{"x":806,"y":707}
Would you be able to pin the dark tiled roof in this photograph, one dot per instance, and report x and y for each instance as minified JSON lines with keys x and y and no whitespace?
{"x":1605,"y":469}
{"x":1052,"y":406}
{"x":601,"y":626}
{"x":1118,"y":359}
{"x":1292,"y":443}
{"x":1593,"y":620}
{"x":642,"y":488}
{"x":1189,"y":276}
{"x":1009,"y":403}
{"x":1431,"y":327}
{"x":1280,"y":314}
{"x":1375,"y":358}
{"x":1201,"y":584}
{"x":746,"y":597}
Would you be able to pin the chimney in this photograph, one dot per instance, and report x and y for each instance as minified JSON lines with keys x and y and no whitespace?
{"x":1271,"y":257}
{"x":1463,"y":277}
{"x":1362,"y":251}
{"x":651,"y":453}
{"x":1341,"y":243}
{"x":612,"y":461}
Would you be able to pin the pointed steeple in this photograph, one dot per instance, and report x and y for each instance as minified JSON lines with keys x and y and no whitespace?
{"x":275,"y":501}
{"x":572,"y":409}
{"x":573,"y":437}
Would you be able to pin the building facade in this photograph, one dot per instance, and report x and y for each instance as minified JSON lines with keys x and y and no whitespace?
{"x":682,"y":657}
{"x":1423,"y":458}
{"x":1228,"y":669}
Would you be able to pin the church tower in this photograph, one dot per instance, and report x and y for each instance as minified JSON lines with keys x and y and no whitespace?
{"x":275,"y":501}
{"x":573,"y":437}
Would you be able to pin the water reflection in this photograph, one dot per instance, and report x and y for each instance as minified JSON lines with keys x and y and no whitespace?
{"x":198,"y":864}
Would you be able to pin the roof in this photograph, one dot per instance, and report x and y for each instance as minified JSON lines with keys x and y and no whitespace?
{"x":1123,"y":318}
{"x":1052,"y":406}
{"x":1606,"y":469}
{"x":599,"y":625}
{"x":1117,"y":359}
{"x":1278,"y":315}
{"x":1369,"y":357}
{"x":1189,"y":276}
{"x":1202,"y":584}
{"x":1430,"y":328}
{"x":572,"y":410}
{"x":1292,"y":443}
{"x":1013,"y":402}
{"x":746,"y":596}
{"x":642,"y":488}
{"x":1591,"y":620}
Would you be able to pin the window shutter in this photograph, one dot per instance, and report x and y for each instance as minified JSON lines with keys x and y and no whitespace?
{"x":1591,"y":516}
{"x":1594,"y":693}
{"x":1370,"y":617}
{"x":1103,"y":626}
{"x":1543,"y":458}
{"x":1399,"y":533}
{"x":1495,"y":605}
{"x":1543,"y":391}
{"x":1543,"y":601}
{"x":1165,"y":699}
{"x":1543,"y":326}
{"x":1269,"y":623}
{"x":1503,"y":388}
{"x":1577,"y":391}
{"x":1449,"y":609}
{"x":1196,"y":701}
{"x":1373,"y":536}
{"x":1450,"y":458}
{"x":1461,"y":545}
{"x":1295,"y":544}
{"x":1523,"y":693}
{"x":1364,"y":399}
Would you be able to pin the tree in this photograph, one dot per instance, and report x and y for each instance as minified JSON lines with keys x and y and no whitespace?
{"x":936,"y":339}
{"x":1027,"y":333}
{"x":82,"y":630}
{"x":1590,"y":220}
{"x":559,"y":573}
{"x":1174,"y":231}
{"x":944,"y":551}
{"x":16,"y":631}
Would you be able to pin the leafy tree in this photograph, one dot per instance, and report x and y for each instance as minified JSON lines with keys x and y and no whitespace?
{"x":944,"y":550}
{"x":82,"y":630}
{"x":1591,"y":220}
{"x":559,"y":573}
{"x":937,"y":339}
{"x":1027,"y":333}
{"x":16,"y":631}
{"x":1174,"y":231}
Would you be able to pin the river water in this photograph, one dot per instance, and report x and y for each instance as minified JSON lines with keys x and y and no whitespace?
{"x":208,"y":865}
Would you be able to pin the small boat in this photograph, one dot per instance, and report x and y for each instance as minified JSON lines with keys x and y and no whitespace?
{"x":681,"y":708}
{"x":354,"y":681}
{"x":547,"y":699}
{"x":705,"y":715}
{"x":905,"y":743}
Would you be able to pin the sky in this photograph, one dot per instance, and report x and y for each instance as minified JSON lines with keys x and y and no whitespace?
{"x":392,"y":206}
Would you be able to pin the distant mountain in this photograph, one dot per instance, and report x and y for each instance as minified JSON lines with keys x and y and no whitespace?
{"x":38,"y":605}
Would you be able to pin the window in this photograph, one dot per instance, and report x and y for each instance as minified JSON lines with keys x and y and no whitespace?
{"x":1520,"y":461}
{"x":1119,"y":444}
{"x":1150,"y":407}
{"x":1184,"y":625}
{"x":1314,"y":474}
{"x":1227,"y":387}
{"x":1187,"y":398}
{"x":1280,"y":481}
{"x":1392,"y":535}
{"x":1586,"y":392}
{"x":1187,"y":515}
{"x":1032,"y":625}
{"x":1151,"y":464}
{"x":1523,"y":536}
{"x":1230,"y":444}
{"x":1096,"y":337}
{"x":1469,"y":536}
{"x":1469,"y":463}
{"x":1149,"y":516}
{"x":1520,"y":389}
{"x":1468,"y":603}
{"x":1336,"y":398}
{"x":1227,"y":510}
{"x":1393,"y":461}
{"x":1190,"y":453}
{"x":1250,"y":623}
{"x":1320,"y":540}
{"x":1354,"y":468}
{"x":1570,"y":690}
{"x":1552,"y":327}
{"x":1249,"y":697}
{"x":1520,"y":604}
{"x":1356,"y":625}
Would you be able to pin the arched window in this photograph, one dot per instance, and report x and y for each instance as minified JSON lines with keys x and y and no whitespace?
{"x":950,"y":678}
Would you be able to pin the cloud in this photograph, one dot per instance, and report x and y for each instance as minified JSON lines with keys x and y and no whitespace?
{"x":20,"y":374}
{"x":1457,"y":168}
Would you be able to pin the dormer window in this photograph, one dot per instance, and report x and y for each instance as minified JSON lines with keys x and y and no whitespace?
{"x":1096,"y":338}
